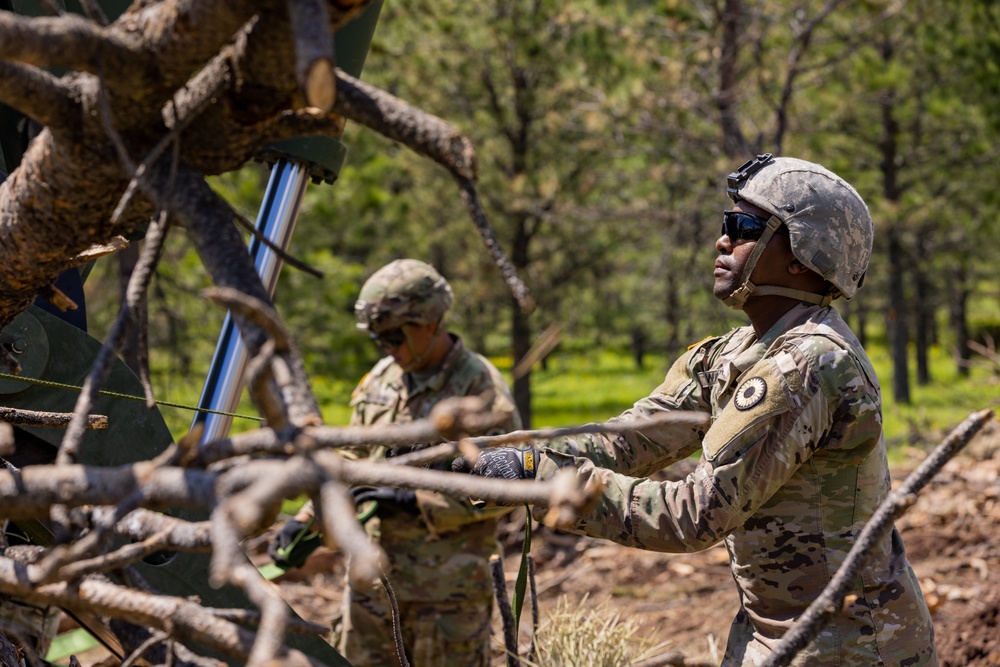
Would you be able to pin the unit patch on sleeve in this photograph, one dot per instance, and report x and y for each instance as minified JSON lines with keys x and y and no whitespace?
{"x":751,"y":392}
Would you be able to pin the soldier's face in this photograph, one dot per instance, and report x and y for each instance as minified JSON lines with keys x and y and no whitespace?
{"x":777,"y":265}
{"x":412,"y":353}
{"x":733,"y":256}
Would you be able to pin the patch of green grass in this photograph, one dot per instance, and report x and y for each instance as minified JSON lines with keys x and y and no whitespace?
{"x":576,"y":389}
{"x":937,"y":407}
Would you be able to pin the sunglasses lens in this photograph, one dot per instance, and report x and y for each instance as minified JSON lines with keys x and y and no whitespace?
{"x":739,"y":225}
{"x":389,"y":340}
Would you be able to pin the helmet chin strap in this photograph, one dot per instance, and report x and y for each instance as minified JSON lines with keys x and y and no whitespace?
{"x":739,"y":297}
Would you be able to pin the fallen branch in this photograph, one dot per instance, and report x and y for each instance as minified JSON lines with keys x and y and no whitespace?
{"x":49,"y":419}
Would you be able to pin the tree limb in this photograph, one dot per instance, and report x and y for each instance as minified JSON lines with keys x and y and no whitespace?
{"x":36,"y":93}
{"x":73,"y":42}
{"x":49,"y":419}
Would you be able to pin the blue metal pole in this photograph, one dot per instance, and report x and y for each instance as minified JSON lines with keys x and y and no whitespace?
{"x":275,"y":222}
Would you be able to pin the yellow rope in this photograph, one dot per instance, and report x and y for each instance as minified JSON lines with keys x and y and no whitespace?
{"x":59,"y":385}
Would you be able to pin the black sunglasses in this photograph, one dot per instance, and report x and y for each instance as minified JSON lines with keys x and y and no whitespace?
{"x":742,"y":225}
{"x":389,"y":340}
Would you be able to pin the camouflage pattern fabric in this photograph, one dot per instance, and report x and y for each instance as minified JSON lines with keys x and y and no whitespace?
{"x":25,"y":623}
{"x":403,"y":291}
{"x":439,"y":557}
{"x":792,"y":468}
{"x":435,"y":632}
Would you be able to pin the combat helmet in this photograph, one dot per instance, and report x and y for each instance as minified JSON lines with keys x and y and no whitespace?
{"x":403,"y":291}
{"x":828,"y":224}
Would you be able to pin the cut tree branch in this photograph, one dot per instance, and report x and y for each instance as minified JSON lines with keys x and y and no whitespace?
{"x":49,"y":419}
{"x":37,"y":94}
{"x":73,"y":42}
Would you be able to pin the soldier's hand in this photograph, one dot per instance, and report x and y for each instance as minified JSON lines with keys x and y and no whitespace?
{"x":385,"y":495}
{"x":292,"y":544}
{"x":500,"y":463}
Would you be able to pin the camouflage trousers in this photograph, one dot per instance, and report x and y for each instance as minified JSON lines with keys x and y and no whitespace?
{"x":28,"y":625}
{"x":435,"y":633}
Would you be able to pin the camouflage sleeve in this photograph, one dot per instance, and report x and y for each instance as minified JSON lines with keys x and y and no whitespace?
{"x":776,"y":419}
{"x":645,"y":451}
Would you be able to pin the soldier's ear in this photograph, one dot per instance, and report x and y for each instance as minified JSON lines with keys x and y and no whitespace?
{"x":795,"y":267}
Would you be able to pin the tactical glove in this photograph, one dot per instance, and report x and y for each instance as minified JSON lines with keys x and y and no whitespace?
{"x":292,"y":545}
{"x":500,"y":463}
{"x":385,"y":497}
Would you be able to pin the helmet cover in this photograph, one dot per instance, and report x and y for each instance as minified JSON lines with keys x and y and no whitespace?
{"x":401,"y":292}
{"x":829,"y":225}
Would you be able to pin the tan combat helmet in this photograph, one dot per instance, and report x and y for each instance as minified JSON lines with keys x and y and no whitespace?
{"x":403,"y":291}
{"x":828,"y":223}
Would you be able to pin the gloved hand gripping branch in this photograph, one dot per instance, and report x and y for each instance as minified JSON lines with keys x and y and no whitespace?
{"x":292,"y":544}
{"x":386,"y":498}
{"x":500,"y":463}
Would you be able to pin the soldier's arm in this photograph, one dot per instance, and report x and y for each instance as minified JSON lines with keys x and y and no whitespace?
{"x":644,"y":451}
{"x":755,"y":446}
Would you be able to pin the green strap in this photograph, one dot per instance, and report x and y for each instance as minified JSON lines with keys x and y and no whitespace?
{"x":59,"y":385}
{"x":517,"y":601}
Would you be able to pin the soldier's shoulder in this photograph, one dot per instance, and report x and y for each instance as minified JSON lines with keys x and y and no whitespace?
{"x":385,"y":371}
{"x":826,"y":354}
{"x":472,"y":367}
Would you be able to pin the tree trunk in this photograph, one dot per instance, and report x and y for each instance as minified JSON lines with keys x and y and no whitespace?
{"x":520,"y":327}
{"x":924,"y":320}
{"x":958,"y":313}
{"x":896,"y":324}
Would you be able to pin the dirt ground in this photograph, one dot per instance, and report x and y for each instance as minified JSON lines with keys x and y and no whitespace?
{"x":952,"y":536}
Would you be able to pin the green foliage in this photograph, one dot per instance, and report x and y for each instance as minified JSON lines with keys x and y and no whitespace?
{"x":601,"y":156}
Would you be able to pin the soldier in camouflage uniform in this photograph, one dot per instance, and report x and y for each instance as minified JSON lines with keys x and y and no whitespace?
{"x":438,"y":546}
{"x":793,"y":459}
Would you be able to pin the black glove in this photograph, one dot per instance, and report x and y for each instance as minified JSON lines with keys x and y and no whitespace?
{"x":500,"y":463}
{"x":403,"y":499}
{"x":293,"y":543}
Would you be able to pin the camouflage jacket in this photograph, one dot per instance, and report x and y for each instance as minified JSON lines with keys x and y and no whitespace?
{"x":443,"y":551}
{"x":793,"y":465}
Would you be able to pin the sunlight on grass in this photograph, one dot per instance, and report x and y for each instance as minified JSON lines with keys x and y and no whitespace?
{"x":590,"y":635}
{"x":577,"y":389}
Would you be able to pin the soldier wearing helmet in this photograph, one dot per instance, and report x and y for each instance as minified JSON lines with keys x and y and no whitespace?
{"x":438,"y":546}
{"x":793,"y":459}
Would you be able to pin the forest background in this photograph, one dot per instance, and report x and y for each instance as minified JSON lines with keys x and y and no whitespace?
{"x":604,"y":131}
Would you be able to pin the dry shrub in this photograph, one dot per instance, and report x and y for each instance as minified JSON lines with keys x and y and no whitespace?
{"x":589,"y":635}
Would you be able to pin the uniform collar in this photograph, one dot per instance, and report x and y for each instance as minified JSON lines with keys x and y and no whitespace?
{"x":434,"y":380}
{"x":749,"y":351}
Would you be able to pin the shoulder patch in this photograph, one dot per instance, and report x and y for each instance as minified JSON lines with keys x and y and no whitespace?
{"x":750,"y":393}
{"x":745,"y":417}
{"x":361,"y":383}
{"x":694,"y":345}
